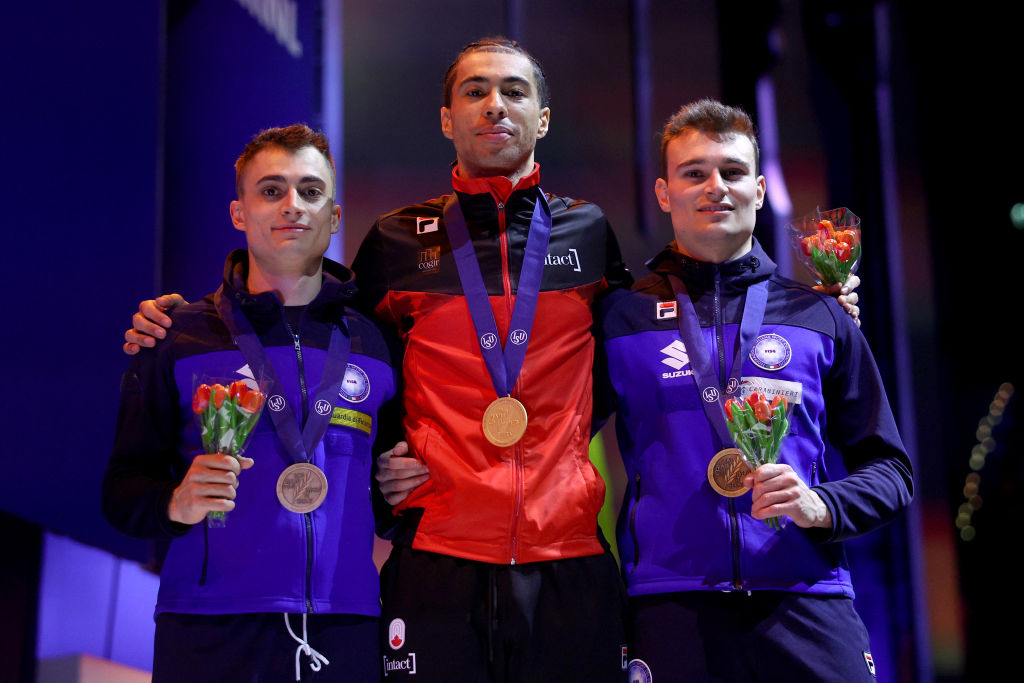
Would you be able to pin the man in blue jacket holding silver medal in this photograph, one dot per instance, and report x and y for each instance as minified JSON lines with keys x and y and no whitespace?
{"x":716,"y":593}
{"x":290,"y":577}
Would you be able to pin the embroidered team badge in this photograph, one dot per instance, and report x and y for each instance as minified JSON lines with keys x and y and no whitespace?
{"x":425,"y":225}
{"x":639,"y":672}
{"x":355,"y":386}
{"x":771,"y":352}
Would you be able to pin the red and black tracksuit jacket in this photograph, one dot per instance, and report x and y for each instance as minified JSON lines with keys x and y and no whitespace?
{"x":538,"y":499}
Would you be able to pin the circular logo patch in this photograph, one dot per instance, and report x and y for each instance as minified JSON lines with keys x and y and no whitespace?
{"x":489,"y":340}
{"x":518,"y":337}
{"x":322,"y":407}
{"x":771,"y":352}
{"x":639,"y":672}
{"x":355,"y":386}
{"x":276,"y":403}
{"x":710,"y":394}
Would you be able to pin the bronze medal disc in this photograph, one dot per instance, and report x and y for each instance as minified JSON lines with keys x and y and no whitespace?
{"x":504,"y":421}
{"x":302,"y":487}
{"x":726,"y":472}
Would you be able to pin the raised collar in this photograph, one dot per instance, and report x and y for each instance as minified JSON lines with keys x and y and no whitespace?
{"x":753,"y":266}
{"x":338,"y":289}
{"x":498,"y":186}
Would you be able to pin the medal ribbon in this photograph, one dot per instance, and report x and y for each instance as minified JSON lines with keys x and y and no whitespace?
{"x":298,"y":445}
{"x":503,"y":364}
{"x":713,"y":395}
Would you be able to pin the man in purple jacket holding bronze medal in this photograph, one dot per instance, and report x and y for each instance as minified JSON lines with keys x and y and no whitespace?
{"x":285,"y":584}
{"x":712,"y":356}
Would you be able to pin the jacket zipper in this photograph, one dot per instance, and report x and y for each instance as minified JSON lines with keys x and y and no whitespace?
{"x":206,"y":551}
{"x":517,"y":454}
{"x":307,"y":516}
{"x":734,"y":524}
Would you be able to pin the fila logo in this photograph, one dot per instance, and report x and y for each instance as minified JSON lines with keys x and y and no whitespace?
{"x":870,"y":662}
{"x":677,"y":358}
{"x":425,"y":225}
{"x":665,"y":310}
{"x":572,"y":258}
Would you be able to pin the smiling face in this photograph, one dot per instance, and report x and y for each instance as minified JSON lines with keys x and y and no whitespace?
{"x":712,"y":193}
{"x":495,"y":117}
{"x":286,"y":209}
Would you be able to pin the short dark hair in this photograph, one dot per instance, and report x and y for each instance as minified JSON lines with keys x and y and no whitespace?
{"x":292,"y":138}
{"x":710,"y":117}
{"x":496,"y":44}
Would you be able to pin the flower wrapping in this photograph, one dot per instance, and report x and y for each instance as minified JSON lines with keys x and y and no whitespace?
{"x":828,"y":243}
{"x":758,"y":427}
{"x":226,"y":417}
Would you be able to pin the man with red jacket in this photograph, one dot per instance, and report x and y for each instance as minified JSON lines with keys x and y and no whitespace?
{"x":498,"y":571}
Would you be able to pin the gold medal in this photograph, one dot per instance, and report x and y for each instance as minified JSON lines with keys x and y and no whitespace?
{"x":302,"y":487}
{"x":726,"y":472}
{"x":504,"y":421}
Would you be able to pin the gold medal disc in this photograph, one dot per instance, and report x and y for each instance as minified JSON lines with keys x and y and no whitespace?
{"x":504,"y":421}
{"x":726,"y":472}
{"x":302,"y":487}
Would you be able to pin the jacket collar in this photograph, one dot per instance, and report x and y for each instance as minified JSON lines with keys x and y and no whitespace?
{"x":739,"y":273}
{"x":500,"y":187}
{"x":338,"y":289}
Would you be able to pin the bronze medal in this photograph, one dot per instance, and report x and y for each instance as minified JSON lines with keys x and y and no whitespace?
{"x":726,"y":472}
{"x":302,"y":487}
{"x":504,"y":421}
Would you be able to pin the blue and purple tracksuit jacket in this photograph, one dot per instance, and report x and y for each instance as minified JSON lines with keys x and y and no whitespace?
{"x":675,"y":533}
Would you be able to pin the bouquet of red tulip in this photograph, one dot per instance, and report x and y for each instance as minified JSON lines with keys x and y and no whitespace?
{"x":758,"y":428}
{"x":226,"y":416}
{"x":828,"y":243}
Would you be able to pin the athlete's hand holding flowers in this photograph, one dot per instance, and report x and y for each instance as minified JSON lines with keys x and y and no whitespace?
{"x":226,"y":416}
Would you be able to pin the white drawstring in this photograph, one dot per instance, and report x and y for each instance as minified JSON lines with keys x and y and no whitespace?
{"x":304,"y":649}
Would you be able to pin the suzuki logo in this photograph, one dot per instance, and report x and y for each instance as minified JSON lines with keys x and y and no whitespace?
{"x":677,"y":358}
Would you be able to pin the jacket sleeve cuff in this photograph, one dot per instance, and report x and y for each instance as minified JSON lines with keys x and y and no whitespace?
{"x":821,"y":534}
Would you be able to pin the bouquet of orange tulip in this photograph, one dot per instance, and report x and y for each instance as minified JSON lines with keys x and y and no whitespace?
{"x":828,"y":243}
{"x":226,"y":416}
{"x":758,"y":428}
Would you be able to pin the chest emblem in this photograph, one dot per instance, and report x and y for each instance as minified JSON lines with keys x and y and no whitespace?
{"x":355,"y":386}
{"x":771,"y":352}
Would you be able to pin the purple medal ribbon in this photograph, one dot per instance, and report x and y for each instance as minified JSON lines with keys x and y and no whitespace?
{"x":299,"y":445}
{"x":503,"y":364}
{"x":712,"y":394}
